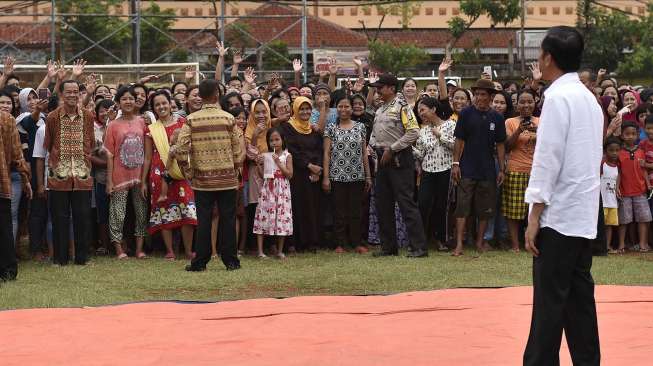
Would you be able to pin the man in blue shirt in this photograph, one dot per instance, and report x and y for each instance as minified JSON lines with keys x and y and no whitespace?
{"x":479,"y":131}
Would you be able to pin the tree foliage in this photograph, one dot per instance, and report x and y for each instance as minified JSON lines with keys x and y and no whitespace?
{"x":396,"y":59}
{"x":277,"y":59}
{"x":153,"y":42}
{"x":405,"y":9}
{"x":93,"y":27}
{"x":498,"y":11}
{"x":616,"y":41}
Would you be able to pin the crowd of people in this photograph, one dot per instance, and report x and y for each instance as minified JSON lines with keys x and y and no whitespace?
{"x":232,"y":167}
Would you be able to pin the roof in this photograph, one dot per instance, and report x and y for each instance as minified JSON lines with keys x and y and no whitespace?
{"x":438,"y":38}
{"x":25,"y":35}
{"x":321,"y":33}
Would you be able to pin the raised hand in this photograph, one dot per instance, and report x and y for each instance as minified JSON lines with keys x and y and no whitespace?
{"x":148,"y":78}
{"x":221,"y":49}
{"x":358,"y":86}
{"x":189,"y":74}
{"x":52,"y":69}
{"x":333,"y":66}
{"x":535,"y":70}
{"x":250,"y":76}
{"x":445,"y":64}
{"x":358,"y":62}
{"x":238,"y":58}
{"x":91,"y":83}
{"x":61,"y":71}
{"x":602,"y":72}
{"x":323,"y":74}
{"x":9,"y":65}
{"x":297,"y":65}
{"x":373,"y":77}
{"x":78,"y":67}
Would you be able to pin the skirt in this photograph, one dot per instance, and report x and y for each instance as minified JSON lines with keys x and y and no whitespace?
{"x":514,"y":206}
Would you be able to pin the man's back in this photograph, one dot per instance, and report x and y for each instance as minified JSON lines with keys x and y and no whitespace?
{"x":209,"y":149}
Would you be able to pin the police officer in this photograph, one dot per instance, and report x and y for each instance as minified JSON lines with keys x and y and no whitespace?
{"x":394,"y":132}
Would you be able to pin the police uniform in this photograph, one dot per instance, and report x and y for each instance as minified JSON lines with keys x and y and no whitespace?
{"x":396,"y":128}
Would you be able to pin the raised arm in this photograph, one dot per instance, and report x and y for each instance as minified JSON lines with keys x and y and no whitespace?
{"x":7,"y":70}
{"x":237,"y":60}
{"x":442,"y":83}
{"x":219,"y":67}
{"x":297,"y":68}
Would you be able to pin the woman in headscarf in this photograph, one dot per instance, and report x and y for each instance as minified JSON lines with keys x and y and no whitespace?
{"x":305,"y":145}
{"x":258,"y":124}
{"x":611,"y":119}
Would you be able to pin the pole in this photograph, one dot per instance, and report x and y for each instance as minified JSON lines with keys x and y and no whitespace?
{"x":523,"y":38}
{"x":53,"y":30}
{"x":223,"y":10}
{"x":304,"y":41}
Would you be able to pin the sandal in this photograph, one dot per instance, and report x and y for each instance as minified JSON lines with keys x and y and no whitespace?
{"x":457,"y":254}
{"x":262,"y":256}
{"x":170,"y":257}
{"x":644,"y":250}
{"x":613,"y":251}
{"x":141,"y":255}
{"x":281,"y":256}
{"x":122,"y":256}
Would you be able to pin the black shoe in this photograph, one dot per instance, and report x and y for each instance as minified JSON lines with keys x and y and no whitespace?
{"x":418,"y":254}
{"x":233,"y":266}
{"x":384,"y":254}
{"x":190,"y":268}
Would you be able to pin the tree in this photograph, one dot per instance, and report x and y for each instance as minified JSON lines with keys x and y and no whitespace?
{"x":153,"y":42}
{"x":499,"y":12}
{"x":396,"y":58}
{"x":272,"y":60}
{"x":94,"y":27}
{"x":406,"y":9}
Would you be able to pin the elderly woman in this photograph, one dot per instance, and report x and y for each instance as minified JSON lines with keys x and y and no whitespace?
{"x":305,"y":145}
{"x":521,"y":133}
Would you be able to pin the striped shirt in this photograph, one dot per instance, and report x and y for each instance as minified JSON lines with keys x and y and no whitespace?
{"x":209,"y":149}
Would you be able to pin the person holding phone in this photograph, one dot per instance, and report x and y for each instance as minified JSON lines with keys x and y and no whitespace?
{"x":520,"y":147}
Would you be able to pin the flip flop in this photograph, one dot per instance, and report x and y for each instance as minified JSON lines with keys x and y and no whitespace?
{"x":123,"y":256}
{"x":457,"y":254}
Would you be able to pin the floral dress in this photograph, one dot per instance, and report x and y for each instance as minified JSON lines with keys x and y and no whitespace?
{"x":179,"y":209}
{"x":274,"y":210}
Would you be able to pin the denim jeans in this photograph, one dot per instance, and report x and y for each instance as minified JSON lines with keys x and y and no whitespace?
{"x":16,"y":195}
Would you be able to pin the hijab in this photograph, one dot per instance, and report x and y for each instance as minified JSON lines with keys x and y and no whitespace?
{"x":303,"y":127}
{"x":631,"y":116}
{"x":24,"y":109}
{"x":260,"y":143}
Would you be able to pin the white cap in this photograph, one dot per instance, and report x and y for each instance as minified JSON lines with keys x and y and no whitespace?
{"x":452,"y":83}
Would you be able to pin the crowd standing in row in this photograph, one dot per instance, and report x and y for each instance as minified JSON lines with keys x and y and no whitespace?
{"x":231,"y":165}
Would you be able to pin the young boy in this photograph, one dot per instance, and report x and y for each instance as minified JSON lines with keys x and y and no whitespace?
{"x":609,"y":184}
{"x":633,"y":186}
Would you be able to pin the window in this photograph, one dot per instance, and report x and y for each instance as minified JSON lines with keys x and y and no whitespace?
{"x":641,"y":10}
{"x":442,"y":11}
{"x":340,"y":12}
{"x":416,"y":10}
{"x":353,"y":11}
{"x":118,"y":9}
{"x":569,"y":10}
{"x":429,"y":11}
{"x":199,"y":12}
{"x":184,"y":12}
{"x":326,"y":12}
{"x":455,"y":11}
{"x":235,"y":11}
{"x":46,"y":10}
{"x":367,"y":11}
{"x":555,"y":10}
{"x":530,"y":10}
{"x":212,"y":12}
{"x":543,"y":11}
{"x":629,"y":9}
{"x":381,"y":11}
{"x":394,"y":11}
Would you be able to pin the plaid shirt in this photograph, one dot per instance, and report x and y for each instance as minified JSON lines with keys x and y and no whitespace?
{"x":11,"y":155}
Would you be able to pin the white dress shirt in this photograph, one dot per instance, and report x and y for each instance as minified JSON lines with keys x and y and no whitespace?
{"x":567,"y":161}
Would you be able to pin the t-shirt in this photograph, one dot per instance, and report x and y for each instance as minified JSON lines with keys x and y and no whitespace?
{"x":331,"y":117}
{"x":124,"y":141}
{"x":609,"y":177}
{"x":480,"y":130}
{"x":346,"y":164}
{"x":632,"y":174}
{"x":647,"y":146}
{"x":521,"y":155}
{"x":40,"y":151}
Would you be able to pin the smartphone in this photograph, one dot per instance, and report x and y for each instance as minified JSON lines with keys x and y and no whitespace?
{"x":487,"y":70}
{"x":43,"y":93}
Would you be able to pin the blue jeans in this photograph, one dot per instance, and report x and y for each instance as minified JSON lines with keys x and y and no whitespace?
{"x":16,"y":194}
{"x":496,"y":225}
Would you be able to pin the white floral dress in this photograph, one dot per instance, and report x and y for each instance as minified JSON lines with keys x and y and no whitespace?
{"x":274,"y":210}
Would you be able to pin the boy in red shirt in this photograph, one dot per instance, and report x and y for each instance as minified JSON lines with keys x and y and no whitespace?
{"x":633,"y":186}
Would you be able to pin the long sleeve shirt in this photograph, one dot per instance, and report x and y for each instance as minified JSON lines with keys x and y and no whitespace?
{"x":391,"y":129}
{"x":11,"y":155}
{"x":210,"y":148}
{"x":435,"y":153}
{"x":567,"y":160}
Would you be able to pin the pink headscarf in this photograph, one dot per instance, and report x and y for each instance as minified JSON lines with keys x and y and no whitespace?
{"x":631,"y":116}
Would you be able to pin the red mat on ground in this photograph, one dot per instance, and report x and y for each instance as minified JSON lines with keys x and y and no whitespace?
{"x":446,"y":327}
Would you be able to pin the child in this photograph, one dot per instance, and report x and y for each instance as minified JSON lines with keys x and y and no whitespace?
{"x":633,"y":186}
{"x":609,"y":184}
{"x":274,"y":210}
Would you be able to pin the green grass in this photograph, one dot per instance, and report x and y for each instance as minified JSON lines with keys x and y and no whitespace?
{"x":109,"y":281}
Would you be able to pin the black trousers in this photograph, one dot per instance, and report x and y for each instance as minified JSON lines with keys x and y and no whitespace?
{"x":38,"y":222}
{"x":563,"y":298}
{"x":61,"y":204}
{"x":397,"y":184}
{"x":432,"y":200}
{"x":347,"y":220}
{"x":8,"y":262}
{"x":226,"y":201}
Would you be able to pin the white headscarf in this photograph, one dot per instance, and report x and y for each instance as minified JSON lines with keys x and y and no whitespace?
{"x":24,"y":109}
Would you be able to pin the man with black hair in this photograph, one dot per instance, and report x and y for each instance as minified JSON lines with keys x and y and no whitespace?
{"x":563,"y":192}
{"x":209,"y":150}
{"x":235,"y":83}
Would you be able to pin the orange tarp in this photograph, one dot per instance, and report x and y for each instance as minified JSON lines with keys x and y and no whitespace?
{"x":446,"y":327}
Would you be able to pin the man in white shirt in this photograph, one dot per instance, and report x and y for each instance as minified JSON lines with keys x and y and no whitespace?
{"x":563,"y":192}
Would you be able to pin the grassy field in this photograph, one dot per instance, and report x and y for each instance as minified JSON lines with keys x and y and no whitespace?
{"x":108,"y":281}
